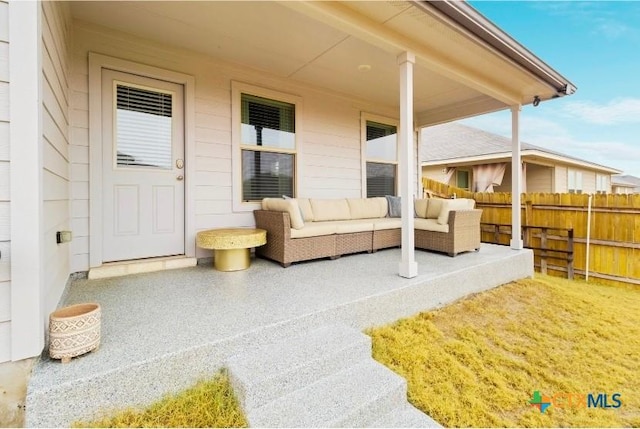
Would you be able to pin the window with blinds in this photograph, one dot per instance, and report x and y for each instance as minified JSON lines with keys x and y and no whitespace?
{"x":268,"y":143}
{"x":382,"y":159}
{"x":143,"y":127}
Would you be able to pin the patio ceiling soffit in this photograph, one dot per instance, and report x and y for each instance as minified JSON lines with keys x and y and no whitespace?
{"x":351,"y":22}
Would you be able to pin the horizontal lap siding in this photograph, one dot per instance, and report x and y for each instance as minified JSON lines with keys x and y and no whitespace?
{"x":539,"y":178}
{"x":329,"y":146}
{"x":55,"y":153}
{"x":561,"y":179}
{"x":5,"y":201}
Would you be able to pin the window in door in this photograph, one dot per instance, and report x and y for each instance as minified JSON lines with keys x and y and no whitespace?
{"x":143,"y":127}
{"x":463,"y":179}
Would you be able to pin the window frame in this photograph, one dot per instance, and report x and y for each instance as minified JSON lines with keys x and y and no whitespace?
{"x":237,"y":89}
{"x":463,"y":170}
{"x":602,"y":179}
{"x":384,"y":120}
{"x":578,"y":181}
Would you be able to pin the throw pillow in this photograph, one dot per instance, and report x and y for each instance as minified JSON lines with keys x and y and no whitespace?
{"x":395,"y":209}
{"x":448,"y":205}
{"x":287,"y":197}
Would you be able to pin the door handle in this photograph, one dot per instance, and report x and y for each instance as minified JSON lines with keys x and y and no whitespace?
{"x":180,"y":177}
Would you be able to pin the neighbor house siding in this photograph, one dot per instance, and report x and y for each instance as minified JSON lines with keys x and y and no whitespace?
{"x":435,"y":173}
{"x":329,"y":149}
{"x":588,"y":182}
{"x":56,"y":27}
{"x":5,"y":197}
{"x":539,"y":178}
{"x":560,"y":179}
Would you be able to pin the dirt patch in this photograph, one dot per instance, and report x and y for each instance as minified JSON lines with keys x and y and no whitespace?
{"x":13,"y":390}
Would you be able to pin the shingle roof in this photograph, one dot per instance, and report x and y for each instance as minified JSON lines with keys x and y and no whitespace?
{"x":451,"y":141}
{"x":626,"y":180}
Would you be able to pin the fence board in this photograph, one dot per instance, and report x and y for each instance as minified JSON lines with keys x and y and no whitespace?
{"x":615,"y":226}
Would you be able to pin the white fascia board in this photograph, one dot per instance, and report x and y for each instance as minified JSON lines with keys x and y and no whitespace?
{"x":526,"y":153}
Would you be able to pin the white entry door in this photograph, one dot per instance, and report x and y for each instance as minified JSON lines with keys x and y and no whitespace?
{"x":143,"y":167}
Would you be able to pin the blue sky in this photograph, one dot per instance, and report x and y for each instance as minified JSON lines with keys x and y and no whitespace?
{"x":596,"y":45}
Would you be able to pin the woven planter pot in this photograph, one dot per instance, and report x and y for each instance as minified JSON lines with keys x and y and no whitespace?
{"x":74,"y":330}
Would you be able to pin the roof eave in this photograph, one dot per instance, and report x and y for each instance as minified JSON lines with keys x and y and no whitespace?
{"x":525,"y":153}
{"x":466,"y":17}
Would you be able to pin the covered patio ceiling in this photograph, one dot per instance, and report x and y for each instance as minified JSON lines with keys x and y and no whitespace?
{"x":345,"y":47}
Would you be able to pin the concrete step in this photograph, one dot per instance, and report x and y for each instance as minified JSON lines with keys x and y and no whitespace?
{"x":405,"y":416}
{"x":354,"y":397}
{"x":262,"y":374}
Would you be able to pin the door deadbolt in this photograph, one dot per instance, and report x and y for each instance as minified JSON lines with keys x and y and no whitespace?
{"x":179,"y":163}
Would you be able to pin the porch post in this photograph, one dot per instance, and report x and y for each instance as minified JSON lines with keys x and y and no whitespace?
{"x":408,"y":264}
{"x":25,"y":136}
{"x":516,"y":179}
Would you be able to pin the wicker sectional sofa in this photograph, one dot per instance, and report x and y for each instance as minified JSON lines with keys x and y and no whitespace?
{"x":302,"y":229}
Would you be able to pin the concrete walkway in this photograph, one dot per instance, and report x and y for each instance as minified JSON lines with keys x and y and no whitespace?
{"x":163,"y":331}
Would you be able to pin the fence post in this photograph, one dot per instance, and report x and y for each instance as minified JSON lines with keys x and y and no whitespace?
{"x":543,"y":251}
{"x":570,"y":254}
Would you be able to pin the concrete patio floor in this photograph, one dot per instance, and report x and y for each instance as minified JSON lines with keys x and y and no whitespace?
{"x":163,"y":331}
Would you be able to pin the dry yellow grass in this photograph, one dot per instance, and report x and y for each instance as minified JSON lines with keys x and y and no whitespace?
{"x":477,"y":362}
{"x":208,"y":404}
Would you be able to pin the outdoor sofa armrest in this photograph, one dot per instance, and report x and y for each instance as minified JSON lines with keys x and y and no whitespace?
{"x":277,"y":224}
{"x":464,"y":219}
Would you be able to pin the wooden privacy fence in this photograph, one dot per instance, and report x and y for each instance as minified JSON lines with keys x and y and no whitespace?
{"x":614,"y":248}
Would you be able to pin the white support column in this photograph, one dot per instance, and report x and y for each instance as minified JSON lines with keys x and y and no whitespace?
{"x":408,"y":264}
{"x":516,"y":179}
{"x":25,"y":127}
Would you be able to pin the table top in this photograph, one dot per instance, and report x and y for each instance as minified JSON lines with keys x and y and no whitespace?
{"x":231,"y":238}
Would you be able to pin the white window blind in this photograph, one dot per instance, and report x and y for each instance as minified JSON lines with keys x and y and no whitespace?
{"x":382,"y":155}
{"x":143,"y":128}
{"x":268,"y":145}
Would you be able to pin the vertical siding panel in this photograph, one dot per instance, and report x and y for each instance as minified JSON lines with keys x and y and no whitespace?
{"x":5,"y":341}
{"x":5,"y":208}
{"x":56,"y":168}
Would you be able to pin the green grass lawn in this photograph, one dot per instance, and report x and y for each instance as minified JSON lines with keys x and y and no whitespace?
{"x":478,"y":361}
{"x":209,"y":403}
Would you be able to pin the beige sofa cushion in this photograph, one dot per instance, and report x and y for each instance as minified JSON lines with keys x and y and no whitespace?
{"x":335,"y":209}
{"x":431,"y":225}
{"x":457,"y":204}
{"x":421,"y":206}
{"x":353,"y":225}
{"x":290,"y":206}
{"x":434,"y":207}
{"x":387,"y":223}
{"x":305,"y":208}
{"x":367,"y":208}
{"x":314,"y":229}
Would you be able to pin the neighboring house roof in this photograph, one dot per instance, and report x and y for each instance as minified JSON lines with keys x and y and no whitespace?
{"x":626,"y":181}
{"x":454,"y":143}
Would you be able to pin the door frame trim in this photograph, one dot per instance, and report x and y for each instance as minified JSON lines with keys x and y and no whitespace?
{"x":97,"y":62}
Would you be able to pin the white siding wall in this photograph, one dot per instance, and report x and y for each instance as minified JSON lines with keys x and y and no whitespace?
{"x":5,"y":199}
{"x":539,"y":178}
{"x":588,"y":182}
{"x":434,"y":173}
{"x":56,"y":27}
{"x":329,"y":148}
{"x":560,"y":179}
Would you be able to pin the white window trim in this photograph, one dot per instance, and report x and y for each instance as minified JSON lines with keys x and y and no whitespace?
{"x":469,"y":178}
{"x":237,"y":89}
{"x":97,"y":62}
{"x":371,"y":117}
{"x":578,"y":184}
